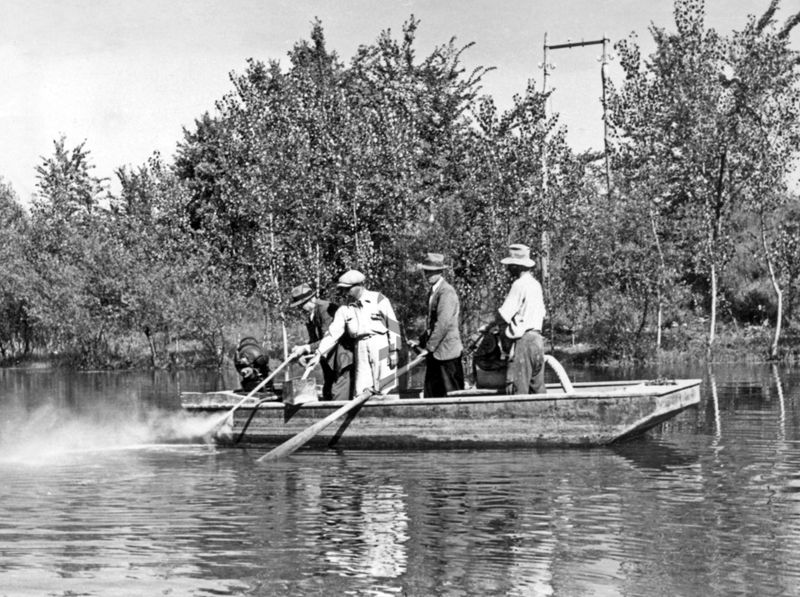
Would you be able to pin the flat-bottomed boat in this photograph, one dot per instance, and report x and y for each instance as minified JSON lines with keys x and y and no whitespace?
{"x":582,"y":415}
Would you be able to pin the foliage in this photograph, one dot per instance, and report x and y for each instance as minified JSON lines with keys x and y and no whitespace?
{"x":687,"y":123}
{"x":327,"y":166}
{"x":15,"y":328}
{"x":318,"y":165}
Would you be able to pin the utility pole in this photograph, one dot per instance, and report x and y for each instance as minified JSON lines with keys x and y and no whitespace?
{"x":603,"y":61}
{"x":545,"y":250}
{"x":546,"y":68}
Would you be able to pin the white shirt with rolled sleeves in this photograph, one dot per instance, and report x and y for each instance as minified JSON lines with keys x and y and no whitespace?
{"x":371,"y":321}
{"x":523,"y":308}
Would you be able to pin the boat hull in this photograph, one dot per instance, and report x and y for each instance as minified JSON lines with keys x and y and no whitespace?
{"x":595,"y":414}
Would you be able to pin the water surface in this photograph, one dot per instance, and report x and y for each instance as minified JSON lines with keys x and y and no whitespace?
{"x":100,"y":495}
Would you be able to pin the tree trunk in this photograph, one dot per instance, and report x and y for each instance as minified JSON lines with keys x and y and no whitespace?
{"x":773,"y":351}
{"x":660,"y":281}
{"x":712,"y":326}
{"x":714,"y":224}
{"x":285,"y":346}
{"x":151,"y":344}
{"x":26,"y":337}
{"x":659,"y":323}
{"x":643,"y":321}
{"x":221,"y":350}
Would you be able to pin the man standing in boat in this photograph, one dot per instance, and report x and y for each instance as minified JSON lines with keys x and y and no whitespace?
{"x":442,"y":339}
{"x":521,"y":317}
{"x":369,"y":320}
{"x":337,"y":367}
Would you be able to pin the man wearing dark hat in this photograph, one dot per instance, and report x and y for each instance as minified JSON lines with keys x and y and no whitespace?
{"x":442,"y":339}
{"x":522,"y":315}
{"x":368,"y":318}
{"x":337,"y":367}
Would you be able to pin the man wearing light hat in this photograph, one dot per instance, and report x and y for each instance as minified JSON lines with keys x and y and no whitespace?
{"x":442,"y":339}
{"x":369,"y":320}
{"x":522,"y":315}
{"x":337,"y":367}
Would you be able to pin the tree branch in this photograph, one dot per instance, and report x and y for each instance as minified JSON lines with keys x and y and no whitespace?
{"x":790,"y":24}
{"x":766,"y":18}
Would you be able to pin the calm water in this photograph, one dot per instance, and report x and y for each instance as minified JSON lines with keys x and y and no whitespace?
{"x":100,"y":496}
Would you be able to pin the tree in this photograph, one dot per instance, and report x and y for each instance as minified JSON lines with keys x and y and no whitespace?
{"x":326,"y":166}
{"x":763,"y":78}
{"x":684,"y":119}
{"x":73,"y":259}
{"x":15,"y":325}
{"x":173,"y":287}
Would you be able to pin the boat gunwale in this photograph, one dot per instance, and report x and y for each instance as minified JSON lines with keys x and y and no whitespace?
{"x":628,"y":389}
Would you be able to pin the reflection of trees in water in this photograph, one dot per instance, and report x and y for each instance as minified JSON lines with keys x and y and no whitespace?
{"x":781,"y":404}
{"x":646,"y":453}
{"x":482,"y":531}
{"x":363,"y":527}
{"x":93,"y":522}
{"x":418,"y":532}
{"x":756,"y":401}
{"x":525,"y":523}
{"x":714,"y":510}
{"x":714,"y":403}
{"x":384,"y":531}
{"x":744,"y":472}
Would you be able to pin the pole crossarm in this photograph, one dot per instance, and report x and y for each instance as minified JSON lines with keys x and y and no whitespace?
{"x":546,"y":67}
{"x":578,"y":44}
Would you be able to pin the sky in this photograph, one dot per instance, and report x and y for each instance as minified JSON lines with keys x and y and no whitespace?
{"x":126,"y":76}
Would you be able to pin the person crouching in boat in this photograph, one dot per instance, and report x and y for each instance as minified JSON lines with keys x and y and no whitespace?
{"x":337,"y":367}
{"x":521,"y":316}
{"x":443,"y":369}
{"x":252,"y":364}
{"x":368,"y":318}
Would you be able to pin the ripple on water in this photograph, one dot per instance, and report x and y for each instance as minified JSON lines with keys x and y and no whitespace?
{"x":706,"y":506}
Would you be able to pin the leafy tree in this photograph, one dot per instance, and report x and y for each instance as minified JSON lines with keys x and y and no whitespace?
{"x":15,"y":325}
{"x":763,"y":79}
{"x":497,"y":195}
{"x":172,"y":288}
{"x":326,"y":167}
{"x":71,"y":254}
{"x":679,"y":116}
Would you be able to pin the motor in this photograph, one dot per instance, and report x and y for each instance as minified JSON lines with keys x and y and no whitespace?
{"x":252,"y":364}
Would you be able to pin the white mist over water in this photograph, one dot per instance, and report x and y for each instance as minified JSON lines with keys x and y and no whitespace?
{"x":49,"y":434}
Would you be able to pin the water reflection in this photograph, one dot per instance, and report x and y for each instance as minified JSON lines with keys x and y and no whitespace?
{"x":714,"y":403}
{"x":782,"y":405}
{"x":708,"y":504}
{"x":647,"y":453}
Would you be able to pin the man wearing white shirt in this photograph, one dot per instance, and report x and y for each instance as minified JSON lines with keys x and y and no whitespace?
{"x":522,"y":315}
{"x":370,"y":321}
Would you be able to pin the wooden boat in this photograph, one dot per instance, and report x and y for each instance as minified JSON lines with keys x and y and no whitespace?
{"x":586,"y":414}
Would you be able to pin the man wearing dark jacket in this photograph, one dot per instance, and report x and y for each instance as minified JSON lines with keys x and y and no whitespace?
{"x":442,"y":339}
{"x":337,"y":367}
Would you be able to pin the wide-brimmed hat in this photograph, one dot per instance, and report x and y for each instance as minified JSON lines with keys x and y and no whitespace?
{"x":350,"y":278}
{"x":302,"y":294}
{"x":432,"y":262}
{"x":518,"y":255}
